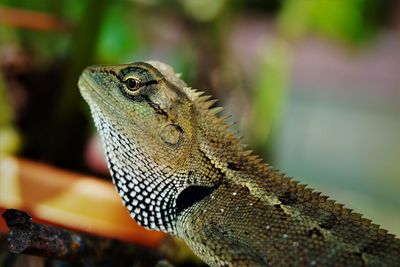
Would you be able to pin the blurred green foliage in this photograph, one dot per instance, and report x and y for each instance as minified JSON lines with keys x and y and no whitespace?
{"x":341,"y":20}
{"x":119,"y":36}
{"x":268,"y":104}
{"x":6,"y":117}
{"x":10,"y":140}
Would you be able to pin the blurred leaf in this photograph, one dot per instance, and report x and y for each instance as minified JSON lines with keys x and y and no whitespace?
{"x":270,"y":93}
{"x":6,"y":115}
{"x":203,"y":10}
{"x":119,"y":37}
{"x":340,"y":20}
{"x":44,"y":45}
{"x":80,"y":54}
{"x":37,"y":5}
{"x":73,"y":10}
{"x":10,"y":140}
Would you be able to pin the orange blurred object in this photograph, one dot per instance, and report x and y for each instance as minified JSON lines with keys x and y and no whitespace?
{"x":31,"y":20}
{"x":68,"y":199}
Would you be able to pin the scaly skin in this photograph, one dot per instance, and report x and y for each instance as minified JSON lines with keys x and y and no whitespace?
{"x":179,"y":170}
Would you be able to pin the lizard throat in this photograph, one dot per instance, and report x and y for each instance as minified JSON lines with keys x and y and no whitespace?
{"x":147,"y":191}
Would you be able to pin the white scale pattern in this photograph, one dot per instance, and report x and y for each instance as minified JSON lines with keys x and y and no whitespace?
{"x":149,"y":200}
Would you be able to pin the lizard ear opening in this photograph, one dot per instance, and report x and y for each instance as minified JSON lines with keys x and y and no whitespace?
{"x":191,"y":195}
{"x":172,"y":134}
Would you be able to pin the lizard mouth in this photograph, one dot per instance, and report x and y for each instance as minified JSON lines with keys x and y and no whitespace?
{"x":87,"y":87}
{"x":92,"y":96}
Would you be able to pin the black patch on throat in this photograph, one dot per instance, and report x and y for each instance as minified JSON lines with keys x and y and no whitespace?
{"x":191,"y":195}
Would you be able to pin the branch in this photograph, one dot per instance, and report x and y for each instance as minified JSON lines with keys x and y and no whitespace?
{"x":27,"y":237}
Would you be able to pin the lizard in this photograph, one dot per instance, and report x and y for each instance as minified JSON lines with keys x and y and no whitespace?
{"x":180,"y":169}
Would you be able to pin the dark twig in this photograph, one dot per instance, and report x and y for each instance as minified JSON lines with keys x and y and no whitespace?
{"x":37,"y":239}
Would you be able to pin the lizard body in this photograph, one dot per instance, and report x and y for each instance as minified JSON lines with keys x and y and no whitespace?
{"x":179,"y":170}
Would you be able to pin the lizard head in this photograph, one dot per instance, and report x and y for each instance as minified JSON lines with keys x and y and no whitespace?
{"x":146,"y":119}
{"x":142,"y":105}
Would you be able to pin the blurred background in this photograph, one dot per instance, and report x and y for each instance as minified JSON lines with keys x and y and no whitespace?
{"x":314,"y":85}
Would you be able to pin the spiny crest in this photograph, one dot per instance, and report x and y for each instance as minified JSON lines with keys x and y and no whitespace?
{"x":204,"y":104}
{"x":221,"y":123}
{"x":311,"y":194}
{"x":193,"y":94}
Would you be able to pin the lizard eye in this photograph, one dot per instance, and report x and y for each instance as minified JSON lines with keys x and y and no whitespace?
{"x":132,"y":85}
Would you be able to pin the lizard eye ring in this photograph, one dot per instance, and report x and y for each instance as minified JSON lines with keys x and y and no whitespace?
{"x":132,"y":85}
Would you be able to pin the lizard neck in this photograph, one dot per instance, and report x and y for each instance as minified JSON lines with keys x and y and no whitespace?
{"x":147,"y":189}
